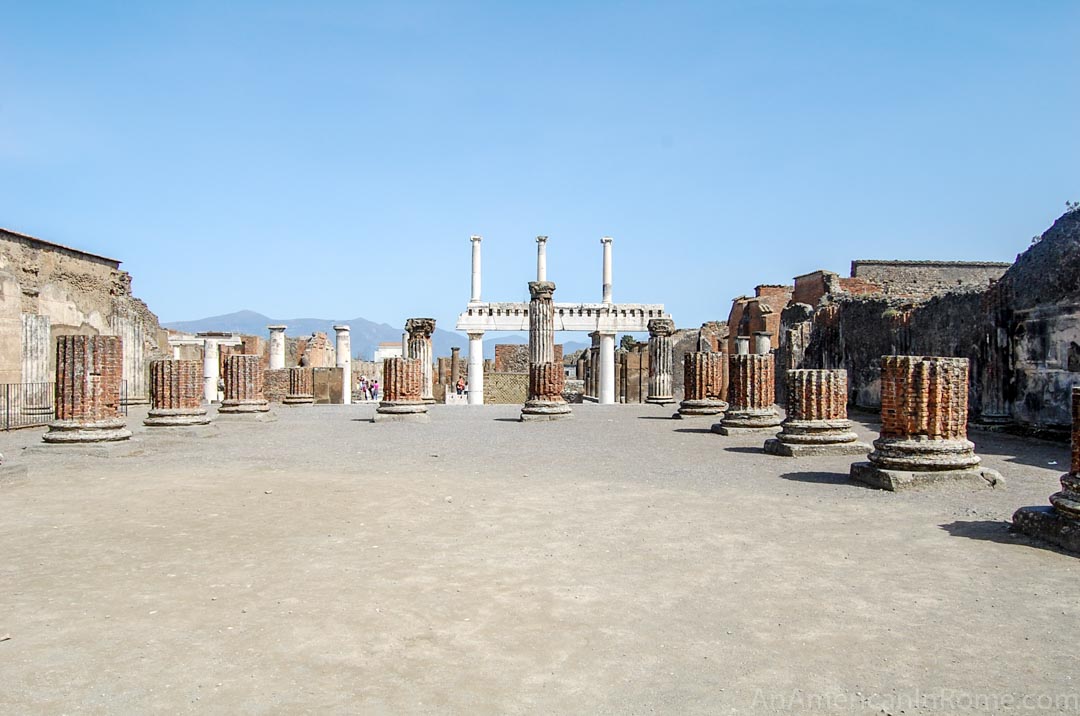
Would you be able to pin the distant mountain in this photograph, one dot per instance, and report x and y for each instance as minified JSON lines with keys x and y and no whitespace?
{"x":366,"y":335}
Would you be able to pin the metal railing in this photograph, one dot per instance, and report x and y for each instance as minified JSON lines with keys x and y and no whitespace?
{"x":26,"y":405}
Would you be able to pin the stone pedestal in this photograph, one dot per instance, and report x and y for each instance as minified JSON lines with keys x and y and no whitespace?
{"x":1059,"y":524}
{"x":546,"y":377}
{"x":301,"y":387}
{"x":817,"y":422}
{"x":419,"y":347}
{"x":243,"y":386}
{"x":176,"y":394}
{"x":88,"y":374}
{"x":923,"y":427}
{"x":703,"y":382}
{"x":752,"y":394}
{"x":401,"y":392}
{"x":661,"y":362}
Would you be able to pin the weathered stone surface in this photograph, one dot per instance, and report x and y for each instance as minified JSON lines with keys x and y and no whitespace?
{"x":923,"y":425}
{"x":751,"y":394}
{"x":816,"y":422}
{"x":401,"y":392}
{"x":661,"y":361}
{"x":244,"y":382}
{"x":176,"y":394}
{"x":546,"y":377}
{"x":419,"y":347}
{"x":703,"y":380}
{"x":301,"y":387}
{"x":88,"y":374}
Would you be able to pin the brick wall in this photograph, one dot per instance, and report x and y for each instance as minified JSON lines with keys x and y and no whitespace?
{"x":927,"y":278}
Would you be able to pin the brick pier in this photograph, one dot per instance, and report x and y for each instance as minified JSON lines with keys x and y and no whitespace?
{"x":817,"y":421}
{"x":703,"y":383}
{"x":402,"y":396}
{"x":88,"y":374}
{"x":546,"y":377}
{"x":176,"y":394}
{"x":751,"y":394}
{"x":244,"y":393}
{"x":301,"y":386}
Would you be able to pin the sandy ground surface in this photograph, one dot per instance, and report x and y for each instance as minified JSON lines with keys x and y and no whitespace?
{"x":617,"y":562}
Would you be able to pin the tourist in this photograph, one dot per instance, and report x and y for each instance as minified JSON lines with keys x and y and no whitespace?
{"x":460,"y":386}
{"x":375,"y":389}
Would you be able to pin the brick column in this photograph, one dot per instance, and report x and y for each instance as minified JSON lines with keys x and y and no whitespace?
{"x":1059,"y":524}
{"x":244,"y":385}
{"x":752,"y":395}
{"x":817,"y":422}
{"x":703,"y":381}
{"x":176,"y":393}
{"x":402,"y":396}
{"x":923,"y":426}
{"x":88,"y":374}
{"x":455,"y":366}
{"x":661,"y":362}
{"x":301,"y":387}
{"x":546,"y":377}
{"x":419,"y":347}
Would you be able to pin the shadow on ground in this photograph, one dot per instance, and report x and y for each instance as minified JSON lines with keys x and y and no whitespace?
{"x":746,"y":450}
{"x":825,"y":478}
{"x":993,"y":531}
{"x":707,"y":431}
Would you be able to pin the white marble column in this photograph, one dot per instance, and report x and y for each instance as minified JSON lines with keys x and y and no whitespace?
{"x":343,"y":350}
{"x":606,"y":242}
{"x":607,"y":369}
{"x":419,"y":331}
{"x":742,"y":345}
{"x":476,"y":368}
{"x":35,"y":348}
{"x":541,"y":258}
{"x":277,"y":347}
{"x":475,"y":298}
{"x":762,"y":342}
{"x":210,"y":370}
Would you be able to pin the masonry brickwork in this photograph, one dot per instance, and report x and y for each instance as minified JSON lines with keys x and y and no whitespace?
{"x":176,"y":393}
{"x":922,"y":279}
{"x":89,"y":370}
{"x":817,"y":421}
{"x":245,"y":382}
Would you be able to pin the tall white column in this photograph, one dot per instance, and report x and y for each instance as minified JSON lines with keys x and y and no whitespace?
{"x":607,"y":369}
{"x":344,"y":361}
{"x":277,"y":347}
{"x":606,"y":241}
{"x":210,"y":370}
{"x":476,"y":368}
{"x":541,"y":258}
{"x":475,"y":269}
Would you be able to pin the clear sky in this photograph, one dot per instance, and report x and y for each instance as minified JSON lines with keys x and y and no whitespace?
{"x":331,"y":159}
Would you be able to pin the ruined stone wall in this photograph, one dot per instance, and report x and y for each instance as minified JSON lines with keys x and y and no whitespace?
{"x":514,"y":358}
{"x":927,"y":278}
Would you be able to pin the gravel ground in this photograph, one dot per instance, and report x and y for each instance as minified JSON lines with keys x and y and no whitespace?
{"x":617,"y":562}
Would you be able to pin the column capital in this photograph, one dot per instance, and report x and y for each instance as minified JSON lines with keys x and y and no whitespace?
{"x":276,"y":328}
{"x":541,"y":239}
{"x":661,"y":327}
{"x":475,"y":335}
{"x":605,"y":239}
{"x":541,"y":290}
{"x":420,"y":327}
{"x":341,"y":329}
{"x":476,"y":239}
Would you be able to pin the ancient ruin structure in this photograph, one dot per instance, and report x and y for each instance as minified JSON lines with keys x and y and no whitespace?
{"x":277,"y":347}
{"x":751,"y":395}
{"x":88,"y":374}
{"x":419,"y":347}
{"x":606,"y":319}
{"x":401,"y":398}
{"x":703,"y":380}
{"x":301,"y":389}
{"x":176,"y":394}
{"x":546,"y":376}
{"x":923,"y":426}
{"x":1059,"y":524}
{"x":817,"y":421}
{"x":244,"y":386}
{"x":661,"y":368}
{"x":344,"y":361}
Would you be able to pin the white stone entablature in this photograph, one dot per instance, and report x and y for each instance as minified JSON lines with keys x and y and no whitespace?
{"x":587,"y":317}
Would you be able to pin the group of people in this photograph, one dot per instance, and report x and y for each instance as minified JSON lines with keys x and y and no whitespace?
{"x":368,"y":389}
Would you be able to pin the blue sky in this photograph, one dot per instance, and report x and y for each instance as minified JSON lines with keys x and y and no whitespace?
{"x":332,"y":159}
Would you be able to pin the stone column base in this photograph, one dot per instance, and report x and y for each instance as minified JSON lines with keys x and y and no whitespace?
{"x":701,"y":409}
{"x":920,"y":454}
{"x":69,"y":432}
{"x":1049,"y":525}
{"x":298,"y":400}
{"x":816,"y":437}
{"x":244,"y":406}
{"x":545,"y":410}
{"x":777,"y":446}
{"x":404,"y":412}
{"x":748,"y":422}
{"x":894,"y":480}
{"x":660,"y":400}
{"x":176,"y":417}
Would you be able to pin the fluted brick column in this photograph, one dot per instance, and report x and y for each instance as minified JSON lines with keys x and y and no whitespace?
{"x":301,"y":386}
{"x":88,"y":374}
{"x":661,"y":362}
{"x":176,"y":394}
{"x":703,"y":382}
{"x":817,"y":422}
{"x":546,"y":377}
{"x":244,"y":385}
{"x":1059,"y":524}
{"x":419,"y":347}
{"x":923,"y":426}
{"x":751,"y":395}
{"x":402,"y":391}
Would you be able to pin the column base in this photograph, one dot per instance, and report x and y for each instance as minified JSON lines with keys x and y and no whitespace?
{"x":1048,"y":525}
{"x":537,"y":410}
{"x":298,"y":400}
{"x":176,"y":417}
{"x":921,"y":454}
{"x":72,"y":432}
{"x":777,"y":446}
{"x":244,"y":406}
{"x":700,"y":409}
{"x":137,"y":400}
{"x":895,"y":480}
{"x":661,"y":400}
{"x":401,"y":412}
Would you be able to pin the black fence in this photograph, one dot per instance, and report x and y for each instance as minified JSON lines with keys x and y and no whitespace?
{"x":25,"y":405}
